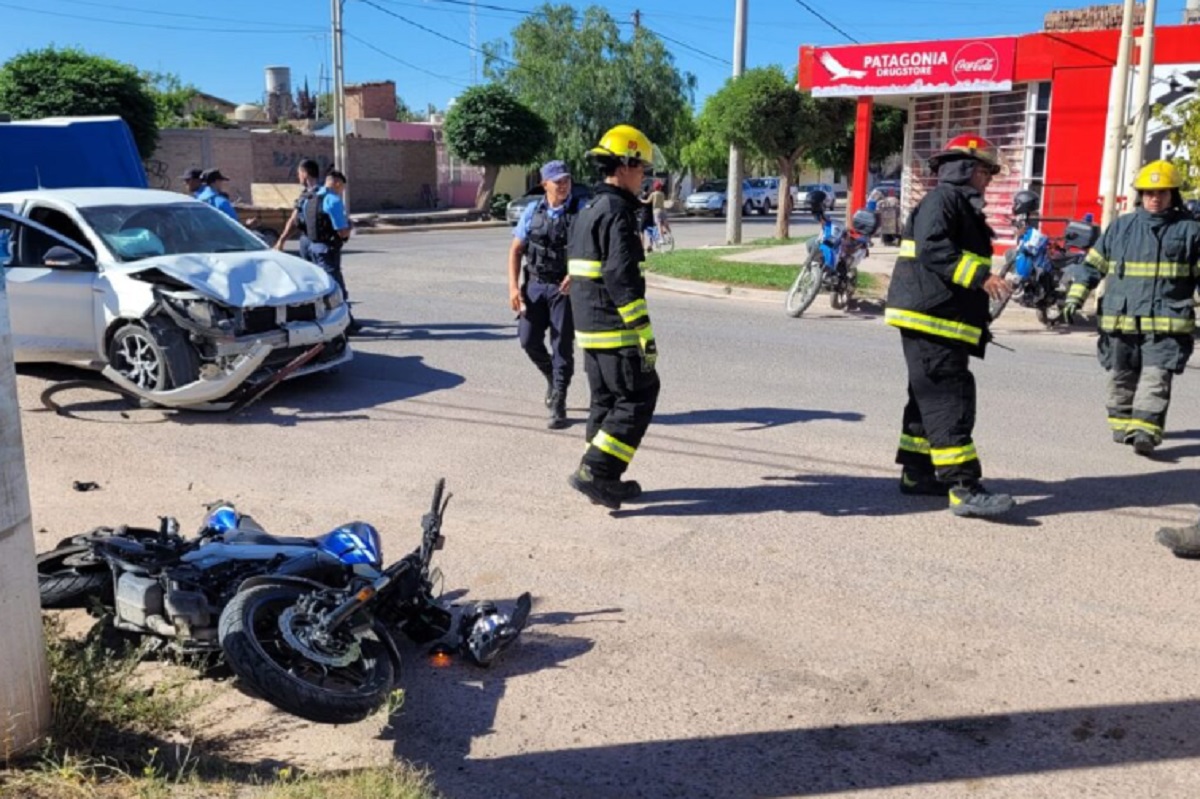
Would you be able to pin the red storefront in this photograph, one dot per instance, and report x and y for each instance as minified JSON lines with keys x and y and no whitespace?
{"x":1044,"y":98}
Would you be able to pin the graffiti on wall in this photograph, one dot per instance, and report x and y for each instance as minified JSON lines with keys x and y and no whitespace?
{"x":290,"y":160}
{"x":157,"y":174}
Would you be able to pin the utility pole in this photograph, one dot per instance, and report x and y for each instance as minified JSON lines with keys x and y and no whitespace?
{"x":340,"y":155}
{"x":1141,"y":96}
{"x":1111,"y":167}
{"x":24,"y":692}
{"x":474,"y":31}
{"x":637,"y":19}
{"x":733,"y":194}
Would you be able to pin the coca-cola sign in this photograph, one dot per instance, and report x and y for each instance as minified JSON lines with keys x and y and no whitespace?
{"x":962,"y":65}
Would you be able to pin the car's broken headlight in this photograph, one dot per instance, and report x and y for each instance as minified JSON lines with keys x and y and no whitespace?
{"x":334,"y":299}
{"x":203,"y":313}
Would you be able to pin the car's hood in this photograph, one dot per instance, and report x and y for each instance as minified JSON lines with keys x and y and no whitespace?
{"x":240,"y":279}
{"x":704,"y":196}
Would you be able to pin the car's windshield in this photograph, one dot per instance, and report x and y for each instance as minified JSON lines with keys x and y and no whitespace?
{"x":758,"y":183}
{"x":134,"y":232}
{"x":718,"y":186}
{"x":811,"y":187}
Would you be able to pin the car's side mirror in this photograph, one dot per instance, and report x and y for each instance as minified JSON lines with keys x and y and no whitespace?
{"x":65,"y":258}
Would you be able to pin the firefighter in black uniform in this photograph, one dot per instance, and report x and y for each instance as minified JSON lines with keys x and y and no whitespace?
{"x":543,"y":302}
{"x":939,"y":299}
{"x":612,"y":323}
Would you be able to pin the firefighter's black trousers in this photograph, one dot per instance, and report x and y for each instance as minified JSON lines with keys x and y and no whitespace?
{"x":623,"y":400}
{"x":940,"y":415}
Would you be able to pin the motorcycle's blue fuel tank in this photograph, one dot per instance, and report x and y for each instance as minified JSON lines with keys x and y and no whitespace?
{"x":353,"y":544}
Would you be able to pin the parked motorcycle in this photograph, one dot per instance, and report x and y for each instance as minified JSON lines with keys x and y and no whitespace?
{"x":832,"y":263}
{"x":1036,"y":268}
{"x":311,"y":624}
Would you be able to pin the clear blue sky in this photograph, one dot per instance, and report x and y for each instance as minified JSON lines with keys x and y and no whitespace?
{"x":221,"y":46}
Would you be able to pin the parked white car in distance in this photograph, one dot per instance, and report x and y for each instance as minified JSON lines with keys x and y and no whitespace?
{"x":173,"y":300}
{"x":710,"y":198}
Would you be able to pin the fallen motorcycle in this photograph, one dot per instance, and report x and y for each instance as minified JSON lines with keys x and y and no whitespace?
{"x":311,"y":624}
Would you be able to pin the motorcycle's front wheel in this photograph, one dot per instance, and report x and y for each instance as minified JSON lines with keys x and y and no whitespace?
{"x":73,"y":577}
{"x":805,"y":287}
{"x":272,"y":640}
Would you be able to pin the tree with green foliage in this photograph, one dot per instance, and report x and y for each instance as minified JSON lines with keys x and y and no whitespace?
{"x":488,"y":127}
{"x":69,"y":82}
{"x":887,"y":135}
{"x":584,"y":77}
{"x":171,"y":98}
{"x":763,"y":114}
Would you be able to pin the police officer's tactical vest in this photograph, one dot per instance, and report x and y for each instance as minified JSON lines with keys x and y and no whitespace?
{"x":318,"y":225}
{"x":546,"y":242}
{"x":306,"y":194}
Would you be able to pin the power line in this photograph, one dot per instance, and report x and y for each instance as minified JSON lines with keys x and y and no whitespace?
{"x":431,"y":31}
{"x":156,"y":26}
{"x":696,"y":50}
{"x":298,"y":28}
{"x":814,"y":12}
{"x":401,"y":61}
{"x":528,"y":13}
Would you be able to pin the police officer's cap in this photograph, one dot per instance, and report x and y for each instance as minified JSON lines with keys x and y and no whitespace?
{"x":212,"y":176}
{"x":192,"y":174}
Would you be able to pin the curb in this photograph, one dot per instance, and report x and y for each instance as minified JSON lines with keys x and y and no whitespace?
{"x":376,"y":230}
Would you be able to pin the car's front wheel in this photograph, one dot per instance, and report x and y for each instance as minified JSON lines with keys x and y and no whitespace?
{"x":154,"y":354}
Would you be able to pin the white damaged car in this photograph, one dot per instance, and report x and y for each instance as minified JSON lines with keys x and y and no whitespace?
{"x":173,"y":300}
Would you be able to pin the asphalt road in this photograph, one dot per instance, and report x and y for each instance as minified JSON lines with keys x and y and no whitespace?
{"x":772,"y":619}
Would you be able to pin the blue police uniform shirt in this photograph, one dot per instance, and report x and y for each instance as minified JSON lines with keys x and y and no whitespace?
{"x":332,"y":205}
{"x":522,"y":230}
{"x":217,"y":200}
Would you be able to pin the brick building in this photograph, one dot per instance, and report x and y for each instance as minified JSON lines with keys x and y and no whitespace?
{"x":376,"y":100}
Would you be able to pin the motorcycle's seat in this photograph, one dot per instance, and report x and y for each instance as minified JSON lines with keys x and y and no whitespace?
{"x":251,"y":532}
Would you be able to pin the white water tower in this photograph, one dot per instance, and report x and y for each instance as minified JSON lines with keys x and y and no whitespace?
{"x":279,"y":102}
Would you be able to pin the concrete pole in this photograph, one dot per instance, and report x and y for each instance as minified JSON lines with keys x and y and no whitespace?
{"x":24,"y":692}
{"x":1141,"y":97}
{"x":1111,"y":168}
{"x":733,"y":197}
{"x":340,"y":154}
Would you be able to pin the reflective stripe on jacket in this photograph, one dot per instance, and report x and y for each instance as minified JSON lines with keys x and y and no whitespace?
{"x":1150,"y":262}
{"x":604,"y":260}
{"x":945,"y":257}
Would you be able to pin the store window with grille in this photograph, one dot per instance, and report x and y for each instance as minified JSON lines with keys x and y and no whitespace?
{"x":1001,"y":117}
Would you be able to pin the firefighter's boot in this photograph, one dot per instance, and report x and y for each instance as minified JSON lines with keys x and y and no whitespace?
{"x":922,"y":485}
{"x":1143,"y":443}
{"x":1184,"y":542}
{"x":973,"y":500}
{"x":599,"y":491}
{"x":558,"y":411}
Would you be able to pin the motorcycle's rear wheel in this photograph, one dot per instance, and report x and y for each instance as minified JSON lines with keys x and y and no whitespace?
{"x":72,"y":577}
{"x":252,"y":637}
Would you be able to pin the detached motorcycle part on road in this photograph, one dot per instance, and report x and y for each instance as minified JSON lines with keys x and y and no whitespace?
{"x":310,"y":624}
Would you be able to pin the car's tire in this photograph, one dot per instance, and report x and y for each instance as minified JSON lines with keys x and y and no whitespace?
{"x":72,"y":577}
{"x":747,"y":208}
{"x":154,"y":354}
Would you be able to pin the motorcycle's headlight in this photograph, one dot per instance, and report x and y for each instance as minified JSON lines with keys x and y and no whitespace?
{"x":334,"y":299}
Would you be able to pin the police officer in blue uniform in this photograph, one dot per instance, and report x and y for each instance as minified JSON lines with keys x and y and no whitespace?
{"x":327,"y":226}
{"x":192,"y":182}
{"x":542,"y":301}
{"x":214,"y":193}
{"x":309,"y":176}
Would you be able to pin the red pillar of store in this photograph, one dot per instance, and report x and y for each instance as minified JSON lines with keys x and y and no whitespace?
{"x":862,"y":154}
